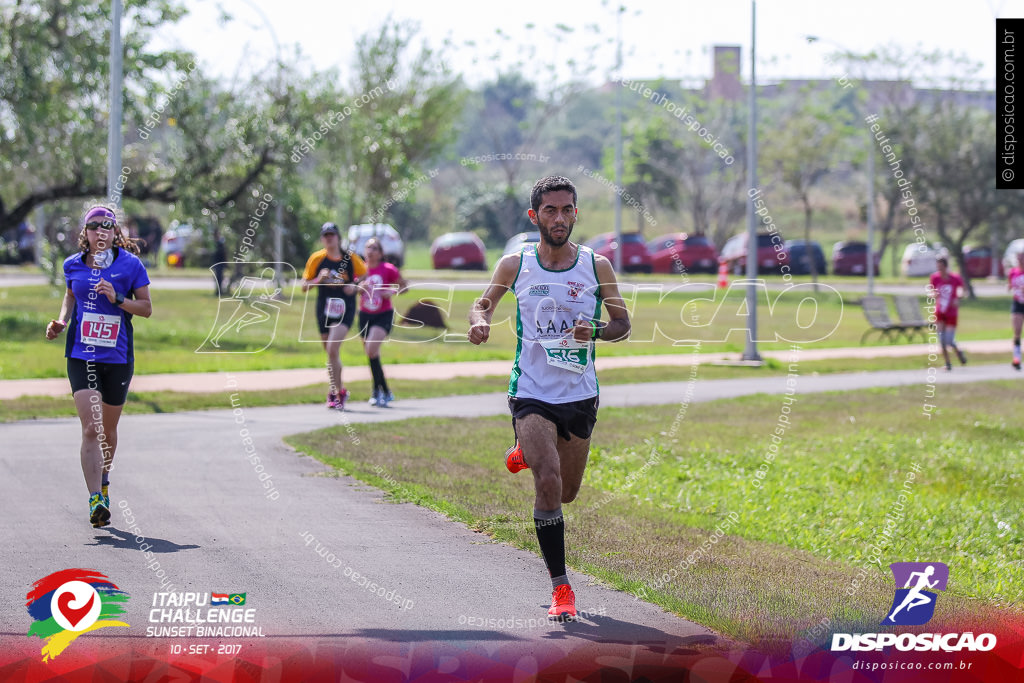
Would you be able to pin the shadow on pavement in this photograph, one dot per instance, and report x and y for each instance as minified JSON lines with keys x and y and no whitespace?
{"x":124,"y":539}
{"x":605,"y":629}
{"x":599,"y":629}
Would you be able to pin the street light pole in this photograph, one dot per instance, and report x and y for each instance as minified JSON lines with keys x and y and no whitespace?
{"x":618,"y":148}
{"x":278,"y":209}
{"x":114,"y":137}
{"x":750,"y":353}
{"x":871,"y":215}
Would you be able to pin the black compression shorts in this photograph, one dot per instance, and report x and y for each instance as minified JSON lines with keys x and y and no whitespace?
{"x":384,"y":319}
{"x":112,"y":380}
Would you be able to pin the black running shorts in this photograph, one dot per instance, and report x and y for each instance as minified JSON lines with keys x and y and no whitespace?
{"x":323,"y":322}
{"x":110,"y":379}
{"x":382,"y":320}
{"x":575,"y":417}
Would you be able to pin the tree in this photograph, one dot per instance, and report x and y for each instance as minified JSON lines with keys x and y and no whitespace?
{"x":403,"y":114}
{"x":53,"y":97}
{"x":509,"y":121}
{"x":886,"y":89}
{"x":808,"y":133}
{"x":957,"y":174}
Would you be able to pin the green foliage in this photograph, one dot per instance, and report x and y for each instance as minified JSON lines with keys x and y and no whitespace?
{"x":53,"y":95}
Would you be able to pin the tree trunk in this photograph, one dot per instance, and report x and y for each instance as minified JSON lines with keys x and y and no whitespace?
{"x":813,"y":262}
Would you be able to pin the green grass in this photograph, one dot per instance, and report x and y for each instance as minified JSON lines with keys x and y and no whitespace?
{"x":182,"y":321}
{"x":799,"y":540}
{"x":39,"y":407}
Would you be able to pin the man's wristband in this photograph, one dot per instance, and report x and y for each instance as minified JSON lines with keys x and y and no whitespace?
{"x":598,"y":331}
{"x":118,"y":298}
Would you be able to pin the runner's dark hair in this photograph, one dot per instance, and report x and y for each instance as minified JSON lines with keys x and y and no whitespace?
{"x":551,"y":183}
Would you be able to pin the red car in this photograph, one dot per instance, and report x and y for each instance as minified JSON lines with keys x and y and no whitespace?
{"x":679,"y":252}
{"x":978,"y":262}
{"x":460,"y":251}
{"x":635,"y":257}
{"x":851,"y":258}
{"x":769,"y":259}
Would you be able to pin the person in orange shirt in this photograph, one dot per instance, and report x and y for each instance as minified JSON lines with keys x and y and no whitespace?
{"x":333,"y":270}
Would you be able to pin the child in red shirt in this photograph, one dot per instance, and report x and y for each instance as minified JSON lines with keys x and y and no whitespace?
{"x":947,"y":288}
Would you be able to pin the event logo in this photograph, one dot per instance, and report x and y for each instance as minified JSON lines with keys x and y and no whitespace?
{"x":247,"y":319}
{"x":68,"y":603}
{"x":914,"y":604}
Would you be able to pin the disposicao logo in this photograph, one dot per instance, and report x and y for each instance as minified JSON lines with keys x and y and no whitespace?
{"x":68,"y":603}
{"x":914,"y":605}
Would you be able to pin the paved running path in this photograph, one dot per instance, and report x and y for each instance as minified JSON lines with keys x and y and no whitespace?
{"x":212,"y":382}
{"x":198,"y":500}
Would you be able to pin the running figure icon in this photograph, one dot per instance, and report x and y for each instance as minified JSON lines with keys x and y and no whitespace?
{"x":916,"y":598}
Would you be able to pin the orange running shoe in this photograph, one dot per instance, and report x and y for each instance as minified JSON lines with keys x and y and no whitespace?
{"x":563,"y":604}
{"x":514,"y":460}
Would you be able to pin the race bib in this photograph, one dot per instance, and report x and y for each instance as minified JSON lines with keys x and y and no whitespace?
{"x":100,"y":329}
{"x":567,"y":353}
{"x":335,"y":308}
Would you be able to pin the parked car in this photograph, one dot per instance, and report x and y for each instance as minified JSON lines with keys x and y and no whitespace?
{"x":459,"y":250}
{"x":919,"y":260}
{"x":978,"y":262}
{"x":1010,"y":255}
{"x":678,"y":251}
{"x":175,"y":243}
{"x":390,"y":241}
{"x":769,"y":259}
{"x":800,"y":254}
{"x":516,"y":242}
{"x":635,"y":257}
{"x":851,"y":258}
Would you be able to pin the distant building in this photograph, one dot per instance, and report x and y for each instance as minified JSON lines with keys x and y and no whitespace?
{"x":725,"y":84}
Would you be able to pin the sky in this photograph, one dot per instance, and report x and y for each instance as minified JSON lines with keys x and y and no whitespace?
{"x":661,"y":38}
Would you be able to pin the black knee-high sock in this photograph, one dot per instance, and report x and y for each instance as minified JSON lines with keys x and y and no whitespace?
{"x":550,"y":527}
{"x":378,"y":375}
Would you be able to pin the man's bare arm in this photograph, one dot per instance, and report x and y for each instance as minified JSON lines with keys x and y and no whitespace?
{"x":483,"y":308}
{"x":618,"y":326}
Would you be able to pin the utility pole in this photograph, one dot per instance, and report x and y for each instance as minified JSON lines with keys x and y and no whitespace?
{"x":750,"y":353}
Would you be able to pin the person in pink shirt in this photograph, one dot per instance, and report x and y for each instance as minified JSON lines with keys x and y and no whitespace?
{"x":1015,"y":281}
{"x":947,"y":288}
{"x":381,"y":282}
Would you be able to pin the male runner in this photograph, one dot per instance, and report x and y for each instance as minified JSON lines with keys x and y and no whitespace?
{"x":553,"y":394}
{"x":332,"y":270}
{"x":947,"y":287}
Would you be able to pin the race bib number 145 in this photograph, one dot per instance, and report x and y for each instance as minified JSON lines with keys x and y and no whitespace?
{"x":100,"y":329}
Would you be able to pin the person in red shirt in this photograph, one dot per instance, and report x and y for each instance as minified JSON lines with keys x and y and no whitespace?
{"x":947,"y":288}
{"x":1015,"y":282}
{"x":381,"y":282}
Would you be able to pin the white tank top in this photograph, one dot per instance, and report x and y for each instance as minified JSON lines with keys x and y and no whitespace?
{"x":550,"y":365}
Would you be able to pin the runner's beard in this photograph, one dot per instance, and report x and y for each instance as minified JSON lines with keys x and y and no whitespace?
{"x":545,"y":234}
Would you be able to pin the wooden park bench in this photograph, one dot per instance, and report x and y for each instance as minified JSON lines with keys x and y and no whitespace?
{"x":877,"y":312}
{"x":908,"y":308}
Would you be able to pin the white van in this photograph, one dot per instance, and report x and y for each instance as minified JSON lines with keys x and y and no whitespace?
{"x":390,"y":240}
